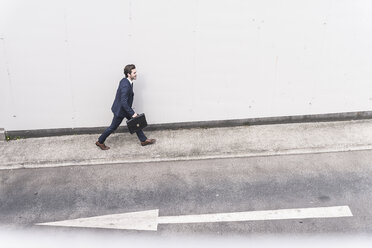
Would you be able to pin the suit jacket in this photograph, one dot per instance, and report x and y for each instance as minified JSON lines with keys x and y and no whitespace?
{"x":122,"y":105}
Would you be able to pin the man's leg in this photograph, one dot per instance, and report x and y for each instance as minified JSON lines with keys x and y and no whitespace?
{"x":144,"y":141}
{"x":116,"y":121}
{"x":141,"y":136}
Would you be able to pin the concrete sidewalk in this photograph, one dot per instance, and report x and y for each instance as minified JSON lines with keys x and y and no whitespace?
{"x":186,"y":144}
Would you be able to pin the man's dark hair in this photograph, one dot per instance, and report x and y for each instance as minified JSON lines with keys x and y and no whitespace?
{"x":128,"y":69}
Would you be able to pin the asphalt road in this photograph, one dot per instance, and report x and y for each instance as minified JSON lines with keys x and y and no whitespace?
{"x":29,"y":196}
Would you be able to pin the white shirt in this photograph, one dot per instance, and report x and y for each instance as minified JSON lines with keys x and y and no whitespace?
{"x":131,"y":83}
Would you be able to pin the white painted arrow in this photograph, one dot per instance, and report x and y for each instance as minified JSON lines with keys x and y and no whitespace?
{"x":149,"y":220}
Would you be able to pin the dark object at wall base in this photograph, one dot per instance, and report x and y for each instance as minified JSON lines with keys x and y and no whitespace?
{"x":200,"y":124}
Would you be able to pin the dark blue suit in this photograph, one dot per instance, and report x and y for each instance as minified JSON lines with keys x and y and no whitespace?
{"x":122,"y":108}
{"x":122,"y":105}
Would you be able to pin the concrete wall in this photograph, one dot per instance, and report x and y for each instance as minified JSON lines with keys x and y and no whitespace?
{"x":61,"y":61}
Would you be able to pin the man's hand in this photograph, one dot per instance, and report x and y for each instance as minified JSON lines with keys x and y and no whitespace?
{"x":135,"y":115}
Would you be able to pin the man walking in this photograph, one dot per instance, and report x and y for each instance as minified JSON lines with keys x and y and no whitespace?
{"x":122,"y":108}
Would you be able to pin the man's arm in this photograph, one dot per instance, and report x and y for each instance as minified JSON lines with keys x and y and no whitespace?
{"x":125,"y":91}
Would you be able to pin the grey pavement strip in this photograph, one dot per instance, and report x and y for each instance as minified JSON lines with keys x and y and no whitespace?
{"x":51,"y":164}
{"x":2,"y":134}
{"x":189,"y":144}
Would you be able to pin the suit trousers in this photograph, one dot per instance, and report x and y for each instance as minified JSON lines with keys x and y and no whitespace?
{"x":116,"y":121}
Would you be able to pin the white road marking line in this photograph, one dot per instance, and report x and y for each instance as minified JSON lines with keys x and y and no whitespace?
{"x":149,"y":220}
{"x":283,"y":214}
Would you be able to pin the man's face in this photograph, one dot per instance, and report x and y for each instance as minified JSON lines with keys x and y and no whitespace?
{"x":133,"y":75}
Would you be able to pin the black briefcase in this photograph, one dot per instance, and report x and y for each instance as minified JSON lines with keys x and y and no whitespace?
{"x":136,"y":124}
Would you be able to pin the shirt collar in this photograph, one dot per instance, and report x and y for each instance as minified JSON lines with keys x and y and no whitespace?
{"x":131,"y":83}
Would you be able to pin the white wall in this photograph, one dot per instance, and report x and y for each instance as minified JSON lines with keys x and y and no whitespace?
{"x":61,"y":61}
